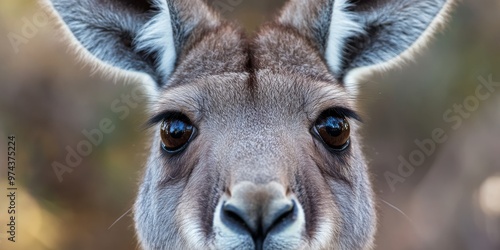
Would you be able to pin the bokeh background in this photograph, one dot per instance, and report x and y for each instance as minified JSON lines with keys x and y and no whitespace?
{"x":450,"y":201}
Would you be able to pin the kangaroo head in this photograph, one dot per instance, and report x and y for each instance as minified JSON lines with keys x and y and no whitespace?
{"x":255,"y":141}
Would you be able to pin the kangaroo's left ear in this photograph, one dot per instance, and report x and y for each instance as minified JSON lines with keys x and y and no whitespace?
{"x":365,"y":33}
{"x":143,"y":36}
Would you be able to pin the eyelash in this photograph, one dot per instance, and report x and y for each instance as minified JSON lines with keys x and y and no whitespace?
{"x":157,"y":119}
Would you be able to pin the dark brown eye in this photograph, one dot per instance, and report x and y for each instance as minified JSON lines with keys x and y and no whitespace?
{"x":175,"y":134}
{"x":334,"y":131}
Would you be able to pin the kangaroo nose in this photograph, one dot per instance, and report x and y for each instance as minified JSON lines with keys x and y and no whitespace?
{"x":258,"y":210}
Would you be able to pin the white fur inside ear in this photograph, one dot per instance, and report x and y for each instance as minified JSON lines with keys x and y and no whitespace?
{"x":343,"y":25}
{"x":357,"y":75}
{"x":158,"y":36}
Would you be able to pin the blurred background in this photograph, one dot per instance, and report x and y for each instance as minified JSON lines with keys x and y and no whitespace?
{"x":450,"y":201}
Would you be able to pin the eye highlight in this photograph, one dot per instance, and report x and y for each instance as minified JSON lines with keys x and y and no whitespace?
{"x":176,"y":132}
{"x":334,"y":130}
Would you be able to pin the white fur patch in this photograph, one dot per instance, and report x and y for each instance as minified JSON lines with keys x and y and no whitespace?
{"x":96,"y":66}
{"x":343,"y":26}
{"x":158,"y":36}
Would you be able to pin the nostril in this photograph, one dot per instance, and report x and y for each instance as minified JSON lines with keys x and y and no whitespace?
{"x":236,"y":218}
{"x":280,"y":218}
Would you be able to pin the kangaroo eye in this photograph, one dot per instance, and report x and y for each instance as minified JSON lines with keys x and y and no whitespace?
{"x":175,"y":134}
{"x":333,"y":130}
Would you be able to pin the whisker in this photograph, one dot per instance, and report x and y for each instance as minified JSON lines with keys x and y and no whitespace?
{"x":123,"y":215}
{"x":400,"y":211}
{"x":412,"y":223}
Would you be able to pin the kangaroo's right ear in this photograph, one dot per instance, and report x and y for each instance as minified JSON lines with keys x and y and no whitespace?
{"x":357,"y":36}
{"x":136,"y":36}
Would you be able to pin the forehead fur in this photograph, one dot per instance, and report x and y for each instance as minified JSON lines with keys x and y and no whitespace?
{"x":226,"y":48}
{"x":276,"y":95}
{"x":225,"y":70}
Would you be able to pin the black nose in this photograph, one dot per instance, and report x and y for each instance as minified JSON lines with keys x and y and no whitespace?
{"x":241,"y":217}
{"x":258,"y":213}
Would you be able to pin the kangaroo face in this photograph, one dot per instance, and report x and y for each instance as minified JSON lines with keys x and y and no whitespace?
{"x":256,"y":172}
{"x":254,"y":138}
{"x":270,"y":155}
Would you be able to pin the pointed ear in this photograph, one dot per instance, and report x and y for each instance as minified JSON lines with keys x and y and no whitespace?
{"x":365,"y":34}
{"x":136,"y":36}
